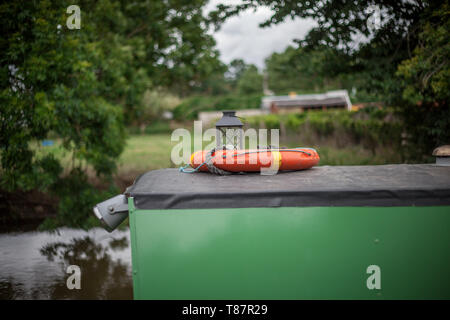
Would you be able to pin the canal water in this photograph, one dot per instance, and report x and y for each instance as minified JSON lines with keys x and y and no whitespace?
{"x":33,"y":265}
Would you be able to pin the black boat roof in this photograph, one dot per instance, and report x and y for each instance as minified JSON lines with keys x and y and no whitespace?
{"x":381,"y":185}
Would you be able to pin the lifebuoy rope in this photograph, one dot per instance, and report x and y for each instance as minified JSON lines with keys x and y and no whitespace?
{"x":209,"y":164}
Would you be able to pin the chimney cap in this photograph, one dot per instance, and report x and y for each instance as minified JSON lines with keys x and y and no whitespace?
{"x":229,"y":119}
{"x":442,"y":151}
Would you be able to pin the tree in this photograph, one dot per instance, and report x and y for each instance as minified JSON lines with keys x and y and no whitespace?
{"x":339,"y":23}
{"x":250,"y":81}
{"x":153,"y":44}
{"x":426,"y":83}
{"x":300,"y":69}
{"x":235,"y":70}
{"x":379,"y":53}
{"x":244,"y":78}
{"x":83,"y":85}
{"x":49,"y":85}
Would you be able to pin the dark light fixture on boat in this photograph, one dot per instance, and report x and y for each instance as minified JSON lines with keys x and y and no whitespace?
{"x":112,"y":212}
{"x":229,"y":131}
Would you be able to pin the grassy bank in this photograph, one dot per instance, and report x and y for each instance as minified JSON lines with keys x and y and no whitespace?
{"x":149,"y":152}
{"x":142,"y":152}
{"x":341,"y":138}
{"x":146,"y":152}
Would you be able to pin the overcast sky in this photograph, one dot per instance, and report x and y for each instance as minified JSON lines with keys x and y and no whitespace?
{"x":241,"y":38}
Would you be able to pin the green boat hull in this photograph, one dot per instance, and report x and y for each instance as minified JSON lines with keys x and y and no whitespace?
{"x":291,"y":253}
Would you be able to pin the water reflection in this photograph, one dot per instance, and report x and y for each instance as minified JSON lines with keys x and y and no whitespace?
{"x":33,"y":264}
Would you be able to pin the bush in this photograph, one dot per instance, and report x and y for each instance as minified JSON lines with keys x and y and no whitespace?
{"x":321,"y":122}
{"x":295,"y":120}
{"x":371,"y":128}
{"x":158,"y":127}
{"x":271,"y":121}
{"x":153,"y":104}
{"x":190,"y":107}
{"x":77,"y":197}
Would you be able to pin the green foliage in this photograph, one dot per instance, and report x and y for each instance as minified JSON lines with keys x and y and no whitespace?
{"x":355,"y":155}
{"x":295,"y":120}
{"x":50,"y":85}
{"x":235,"y":70}
{"x":189,"y":108}
{"x":83,"y":85}
{"x":271,"y":121}
{"x":426,"y":85}
{"x":158,"y":127}
{"x":154,"y":103}
{"x":371,"y":128}
{"x":322,"y":124}
{"x":403,"y":62}
{"x":250,"y":81}
{"x":304,"y":70}
{"x":237,"y":78}
{"x":77,"y":198}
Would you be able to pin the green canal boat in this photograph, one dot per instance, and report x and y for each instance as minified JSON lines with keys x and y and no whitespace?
{"x":331,"y":232}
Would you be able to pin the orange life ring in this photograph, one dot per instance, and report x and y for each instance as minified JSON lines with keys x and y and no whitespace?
{"x":255,"y":160}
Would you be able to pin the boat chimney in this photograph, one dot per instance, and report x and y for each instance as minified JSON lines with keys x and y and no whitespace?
{"x":442,"y":155}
